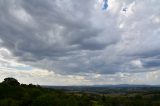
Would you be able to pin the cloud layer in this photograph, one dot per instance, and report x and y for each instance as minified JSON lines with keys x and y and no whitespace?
{"x":72,"y":37}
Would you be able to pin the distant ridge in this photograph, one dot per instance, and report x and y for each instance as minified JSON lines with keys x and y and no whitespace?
{"x":119,"y":85}
{"x":126,"y":85}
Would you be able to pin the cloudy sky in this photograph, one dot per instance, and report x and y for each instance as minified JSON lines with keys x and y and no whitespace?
{"x":77,"y":42}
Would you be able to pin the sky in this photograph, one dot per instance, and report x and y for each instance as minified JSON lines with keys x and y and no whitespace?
{"x":80,"y":42}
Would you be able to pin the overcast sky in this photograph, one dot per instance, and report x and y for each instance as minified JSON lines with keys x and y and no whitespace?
{"x":78,"y":42}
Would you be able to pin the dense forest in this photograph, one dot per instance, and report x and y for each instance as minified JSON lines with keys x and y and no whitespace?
{"x":12,"y":93}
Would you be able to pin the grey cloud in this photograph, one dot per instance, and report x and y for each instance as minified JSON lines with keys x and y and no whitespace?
{"x":73,"y":37}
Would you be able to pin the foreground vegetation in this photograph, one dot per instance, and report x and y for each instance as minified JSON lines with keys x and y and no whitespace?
{"x":12,"y":93}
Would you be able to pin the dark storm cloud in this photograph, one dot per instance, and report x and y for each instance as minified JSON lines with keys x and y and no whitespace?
{"x":74,"y":37}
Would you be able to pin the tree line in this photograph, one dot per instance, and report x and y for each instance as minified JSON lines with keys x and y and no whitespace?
{"x":12,"y":93}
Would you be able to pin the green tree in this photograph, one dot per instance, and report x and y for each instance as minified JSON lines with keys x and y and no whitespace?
{"x":11,"y":81}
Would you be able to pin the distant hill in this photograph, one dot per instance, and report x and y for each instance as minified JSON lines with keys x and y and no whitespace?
{"x":106,"y":88}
